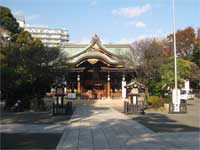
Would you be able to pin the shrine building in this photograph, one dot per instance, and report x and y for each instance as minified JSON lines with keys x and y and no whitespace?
{"x":95,"y":71}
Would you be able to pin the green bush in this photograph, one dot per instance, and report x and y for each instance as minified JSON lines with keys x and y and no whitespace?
{"x":155,"y":88}
{"x":155,"y":101}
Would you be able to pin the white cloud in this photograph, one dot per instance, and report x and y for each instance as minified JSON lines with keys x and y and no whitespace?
{"x":132,"y":11}
{"x":18,"y":13}
{"x":140,"y":24}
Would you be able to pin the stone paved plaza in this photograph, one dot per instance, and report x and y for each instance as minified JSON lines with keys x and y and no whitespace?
{"x":105,"y":128}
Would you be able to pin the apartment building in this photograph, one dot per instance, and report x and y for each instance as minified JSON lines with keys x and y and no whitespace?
{"x":51,"y":37}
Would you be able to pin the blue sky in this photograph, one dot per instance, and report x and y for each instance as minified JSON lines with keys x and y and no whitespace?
{"x":116,"y":21}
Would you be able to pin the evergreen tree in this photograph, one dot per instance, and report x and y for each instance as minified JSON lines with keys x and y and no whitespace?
{"x":8,"y":21}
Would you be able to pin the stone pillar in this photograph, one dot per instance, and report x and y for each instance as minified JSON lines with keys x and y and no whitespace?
{"x":176,"y":100}
{"x":123,"y":87}
{"x":108,"y":87}
{"x":79,"y":84}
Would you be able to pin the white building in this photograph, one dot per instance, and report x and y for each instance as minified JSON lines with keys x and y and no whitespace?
{"x":51,"y":37}
{"x":21,"y":21}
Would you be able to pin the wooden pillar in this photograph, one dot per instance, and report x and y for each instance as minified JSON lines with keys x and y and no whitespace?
{"x":79,"y":84}
{"x":108,"y":87}
{"x":72,"y":87}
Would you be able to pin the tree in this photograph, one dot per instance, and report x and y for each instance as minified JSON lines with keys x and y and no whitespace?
{"x":149,"y":56}
{"x":7,"y":20}
{"x":185,"y":70}
{"x":146,"y":56}
{"x":196,"y":49}
{"x":196,"y":55}
{"x":184,"y":41}
{"x":36,"y":63}
{"x":27,"y":67}
{"x":127,"y":57}
{"x":198,"y":38}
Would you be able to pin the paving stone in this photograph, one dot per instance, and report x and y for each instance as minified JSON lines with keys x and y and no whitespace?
{"x":105,"y":128}
{"x":99,"y":139}
{"x":71,"y":140}
{"x":85,"y":140}
{"x":117,"y":131}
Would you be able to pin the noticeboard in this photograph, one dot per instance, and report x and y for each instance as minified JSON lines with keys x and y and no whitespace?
{"x":59,"y":91}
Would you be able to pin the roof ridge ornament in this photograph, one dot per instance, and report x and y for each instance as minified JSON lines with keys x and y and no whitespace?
{"x":95,"y":39}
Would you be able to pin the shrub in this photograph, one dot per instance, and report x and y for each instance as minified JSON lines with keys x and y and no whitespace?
{"x":155,"y":88}
{"x":155,"y":101}
{"x":37,"y":104}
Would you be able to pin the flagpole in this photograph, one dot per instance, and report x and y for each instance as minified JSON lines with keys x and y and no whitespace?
{"x":175,"y":62}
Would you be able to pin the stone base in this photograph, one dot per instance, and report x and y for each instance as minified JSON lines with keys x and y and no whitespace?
{"x":105,"y":102}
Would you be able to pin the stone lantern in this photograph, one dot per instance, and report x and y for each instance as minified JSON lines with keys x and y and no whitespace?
{"x":58,"y":104}
{"x":136,"y":98}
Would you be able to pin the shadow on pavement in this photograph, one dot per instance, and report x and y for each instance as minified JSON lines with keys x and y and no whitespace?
{"x":32,"y":118}
{"x":162,"y":123}
{"x":29,"y":141}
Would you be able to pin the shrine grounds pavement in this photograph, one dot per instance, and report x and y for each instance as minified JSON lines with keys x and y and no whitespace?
{"x":104,"y":128}
{"x":31,"y":130}
{"x":165,"y":122}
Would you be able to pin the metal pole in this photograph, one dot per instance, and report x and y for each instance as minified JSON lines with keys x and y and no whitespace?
{"x":175,"y":64}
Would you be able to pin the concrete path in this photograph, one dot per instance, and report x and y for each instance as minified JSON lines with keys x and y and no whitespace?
{"x":106,"y":128}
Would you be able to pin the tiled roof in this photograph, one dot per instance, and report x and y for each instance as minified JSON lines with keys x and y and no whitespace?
{"x":78,"y":53}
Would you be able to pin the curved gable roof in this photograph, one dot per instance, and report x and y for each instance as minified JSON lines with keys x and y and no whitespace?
{"x":95,"y":45}
{"x":95,"y":50}
{"x":92,"y":55}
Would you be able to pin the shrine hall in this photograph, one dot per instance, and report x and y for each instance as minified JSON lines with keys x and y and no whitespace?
{"x":95,"y":71}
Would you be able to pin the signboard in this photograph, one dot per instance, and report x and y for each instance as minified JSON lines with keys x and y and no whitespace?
{"x":135,"y":90}
{"x":123,"y":89}
{"x":134,"y":100}
{"x":71,"y":95}
{"x":59,"y":91}
{"x":65,"y":88}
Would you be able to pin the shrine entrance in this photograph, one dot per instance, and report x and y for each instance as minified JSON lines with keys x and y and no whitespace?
{"x":95,"y":72}
{"x":93,"y":80}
